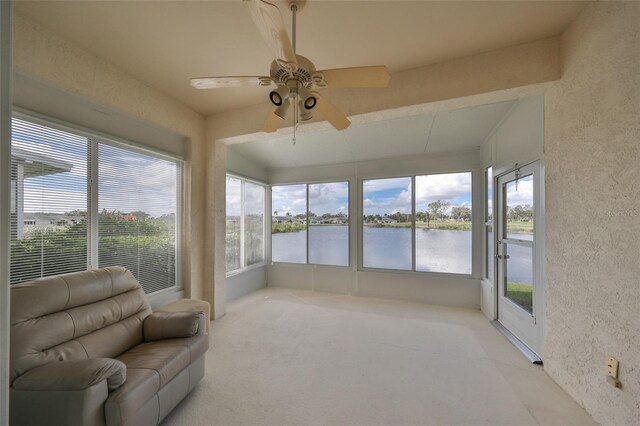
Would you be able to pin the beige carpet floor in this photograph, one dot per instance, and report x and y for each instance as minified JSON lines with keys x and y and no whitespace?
{"x":289,"y":357}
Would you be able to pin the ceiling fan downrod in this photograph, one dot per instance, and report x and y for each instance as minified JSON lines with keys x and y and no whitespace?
{"x":294,"y":8}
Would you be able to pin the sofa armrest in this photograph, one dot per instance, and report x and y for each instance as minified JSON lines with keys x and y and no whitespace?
{"x":75,"y":374}
{"x":172,"y":325}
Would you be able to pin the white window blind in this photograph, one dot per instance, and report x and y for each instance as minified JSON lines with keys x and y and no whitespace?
{"x":48,"y":202}
{"x":79,"y":202}
{"x":138,"y":209}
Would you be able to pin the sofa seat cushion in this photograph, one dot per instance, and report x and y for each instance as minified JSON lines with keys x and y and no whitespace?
{"x":150,"y":366}
{"x":166,"y":357}
{"x":124,"y":403}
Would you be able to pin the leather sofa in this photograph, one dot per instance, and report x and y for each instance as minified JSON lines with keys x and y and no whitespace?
{"x":86,"y":349}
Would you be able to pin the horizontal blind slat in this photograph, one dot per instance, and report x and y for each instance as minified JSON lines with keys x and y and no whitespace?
{"x":48,"y":201}
{"x":137,"y":204}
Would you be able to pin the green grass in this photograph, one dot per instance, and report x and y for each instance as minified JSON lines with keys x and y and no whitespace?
{"x":521,"y":294}
{"x":453,"y":225}
{"x":520,"y":227}
{"x":279,"y":228}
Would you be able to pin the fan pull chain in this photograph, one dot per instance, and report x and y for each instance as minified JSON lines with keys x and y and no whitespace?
{"x":295,"y":119}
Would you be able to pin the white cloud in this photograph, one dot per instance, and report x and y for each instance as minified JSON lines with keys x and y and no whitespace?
{"x":523,"y":195}
{"x":289,"y":198}
{"x":447,"y":186}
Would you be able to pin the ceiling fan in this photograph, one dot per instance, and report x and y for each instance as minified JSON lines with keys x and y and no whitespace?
{"x":295,"y":77}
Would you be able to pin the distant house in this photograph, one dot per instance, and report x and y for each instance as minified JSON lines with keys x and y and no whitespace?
{"x":281,"y":219}
{"x":26,"y":164}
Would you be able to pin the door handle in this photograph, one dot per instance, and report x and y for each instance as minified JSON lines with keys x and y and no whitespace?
{"x":499,"y":256}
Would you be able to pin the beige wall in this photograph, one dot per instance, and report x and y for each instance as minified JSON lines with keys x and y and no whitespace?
{"x":43,"y":55}
{"x":592,"y":152}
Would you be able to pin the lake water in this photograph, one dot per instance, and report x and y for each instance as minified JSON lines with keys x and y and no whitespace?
{"x":390,"y":248}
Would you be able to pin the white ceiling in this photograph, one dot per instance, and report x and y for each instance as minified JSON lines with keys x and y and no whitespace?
{"x":164,"y":43}
{"x":443,"y":132}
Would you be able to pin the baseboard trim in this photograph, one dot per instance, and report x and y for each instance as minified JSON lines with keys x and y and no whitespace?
{"x":526,"y":351}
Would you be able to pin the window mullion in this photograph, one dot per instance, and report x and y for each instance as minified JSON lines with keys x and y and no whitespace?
{"x":92,"y":205}
{"x":413,"y":223}
{"x":243,"y":247}
{"x":307,"y":223}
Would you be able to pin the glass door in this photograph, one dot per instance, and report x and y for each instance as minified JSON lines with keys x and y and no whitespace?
{"x":519,"y":277}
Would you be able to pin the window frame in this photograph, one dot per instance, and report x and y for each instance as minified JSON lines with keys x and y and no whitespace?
{"x":243,"y":257}
{"x":488,"y":223}
{"x":349,"y":225}
{"x":94,"y":139}
{"x":413,"y":270}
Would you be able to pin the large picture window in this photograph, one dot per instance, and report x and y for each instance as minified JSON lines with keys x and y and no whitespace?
{"x":310,"y":223}
{"x":439,"y":239}
{"x":245,"y":224}
{"x":79,"y":202}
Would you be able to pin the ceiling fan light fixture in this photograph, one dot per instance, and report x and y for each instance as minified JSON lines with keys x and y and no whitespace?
{"x":281,"y":111}
{"x":308,"y":100}
{"x":305,"y":113}
{"x":279,"y":95}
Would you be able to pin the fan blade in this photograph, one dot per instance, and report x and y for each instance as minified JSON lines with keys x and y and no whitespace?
{"x":220,"y":82}
{"x":374,"y":76}
{"x":331,"y":113}
{"x":267,"y":18}
{"x":272,"y":122}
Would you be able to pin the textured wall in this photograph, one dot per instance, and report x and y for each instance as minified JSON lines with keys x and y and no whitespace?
{"x":592,"y":154}
{"x":44,"y":55}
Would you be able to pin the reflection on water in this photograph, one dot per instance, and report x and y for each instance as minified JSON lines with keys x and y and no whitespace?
{"x":436,"y":250}
{"x":440,"y":250}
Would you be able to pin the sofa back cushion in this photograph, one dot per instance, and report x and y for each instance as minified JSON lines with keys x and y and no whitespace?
{"x":89,"y":314}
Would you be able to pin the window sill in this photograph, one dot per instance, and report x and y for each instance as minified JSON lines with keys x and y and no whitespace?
{"x":245,"y":269}
{"x":423,"y":273}
{"x":165,"y":296}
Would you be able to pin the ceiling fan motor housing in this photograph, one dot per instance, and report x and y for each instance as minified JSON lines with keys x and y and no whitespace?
{"x":303,"y":73}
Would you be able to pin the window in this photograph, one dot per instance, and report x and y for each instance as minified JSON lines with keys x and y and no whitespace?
{"x":49,"y":202}
{"x":253,"y":223}
{"x":233,"y":247}
{"x":488,"y":224}
{"x":317,"y":213}
{"x":289,"y":223}
{"x":440,"y":237}
{"x":387,"y":223}
{"x":64,"y":221}
{"x":443,"y":225}
{"x":245,"y":224}
{"x":138,"y":205}
{"x":329,"y":224}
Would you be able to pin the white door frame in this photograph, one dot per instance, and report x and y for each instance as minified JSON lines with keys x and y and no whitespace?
{"x":528,"y":328}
